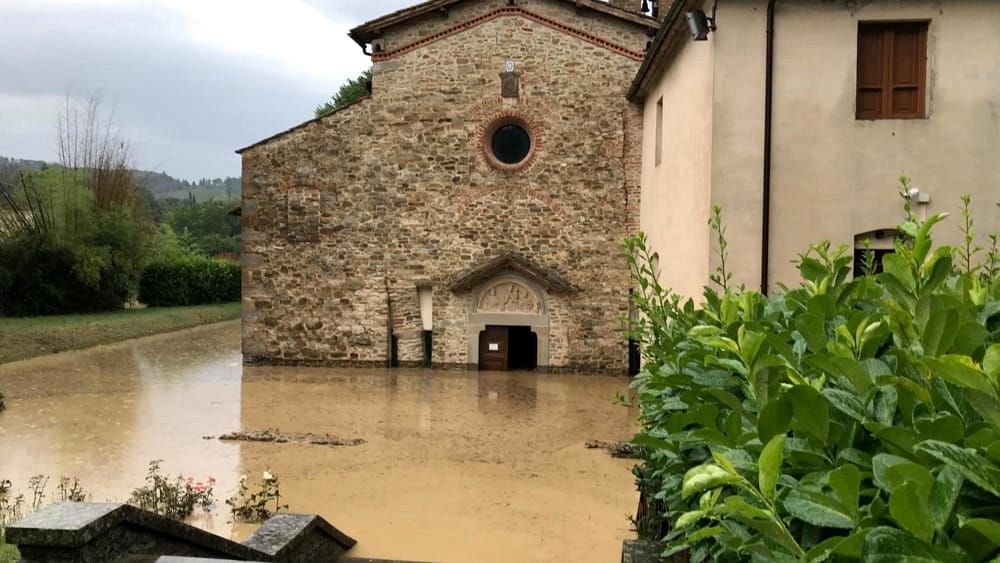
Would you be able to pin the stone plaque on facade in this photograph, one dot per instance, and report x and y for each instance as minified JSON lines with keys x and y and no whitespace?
{"x":510,"y":86}
{"x":509,"y":297}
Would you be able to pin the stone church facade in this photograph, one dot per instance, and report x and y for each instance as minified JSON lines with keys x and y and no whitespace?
{"x":469,"y":212}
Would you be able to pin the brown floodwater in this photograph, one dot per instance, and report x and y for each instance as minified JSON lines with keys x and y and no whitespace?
{"x":457,"y":466}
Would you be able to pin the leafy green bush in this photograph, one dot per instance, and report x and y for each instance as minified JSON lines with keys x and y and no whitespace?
{"x":43,"y":275}
{"x":208,"y":225}
{"x":63,"y":249}
{"x":847,"y":419}
{"x":189,"y":280}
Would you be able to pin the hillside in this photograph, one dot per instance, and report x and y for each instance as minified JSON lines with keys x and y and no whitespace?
{"x":160,"y":184}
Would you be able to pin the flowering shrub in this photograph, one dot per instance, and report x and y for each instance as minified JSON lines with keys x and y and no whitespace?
{"x":175,"y":499}
{"x":847,"y":419}
{"x":252,"y":507}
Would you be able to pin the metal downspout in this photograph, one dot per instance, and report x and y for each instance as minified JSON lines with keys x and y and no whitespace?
{"x":765,"y":246}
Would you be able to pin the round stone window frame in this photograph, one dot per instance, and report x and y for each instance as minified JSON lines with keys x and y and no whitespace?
{"x":486,"y":142}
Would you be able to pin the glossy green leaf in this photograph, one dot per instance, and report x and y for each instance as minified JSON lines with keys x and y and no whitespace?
{"x":896,"y":267}
{"x":939,"y":321}
{"x":769,"y":465}
{"x":970,"y":336}
{"x":944,"y":494}
{"x":824,"y":549}
{"x":945,"y":428}
{"x":812,"y":327}
{"x":908,"y":506}
{"x":810,"y":411}
{"x":961,"y":371}
{"x":971,"y":465}
{"x":979,"y":536}
{"x":775,"y":418}
{"x":847,"y":403}
{"x":817,"y":509}
{"x":892,"y":545}
{"x":846,"y":484}
{"x":884,"y":404}
{"x":991,"y":361}
{"x":881,"y":464}
{"x":895,"y":476}
{"x":708,"y":476}
{"x":689,"y":518}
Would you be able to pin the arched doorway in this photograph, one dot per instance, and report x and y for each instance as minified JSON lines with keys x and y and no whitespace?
{"x":508,"y":325}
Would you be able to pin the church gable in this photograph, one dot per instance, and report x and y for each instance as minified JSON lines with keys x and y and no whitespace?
{"x":598,"y":23}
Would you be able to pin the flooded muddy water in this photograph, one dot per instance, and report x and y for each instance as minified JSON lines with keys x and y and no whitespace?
{"x":456,"y":466}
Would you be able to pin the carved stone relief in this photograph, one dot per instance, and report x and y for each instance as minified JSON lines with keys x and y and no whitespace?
{"x":509,"y":297}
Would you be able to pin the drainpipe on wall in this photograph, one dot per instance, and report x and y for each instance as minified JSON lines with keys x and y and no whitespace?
{"x":765,"y":245}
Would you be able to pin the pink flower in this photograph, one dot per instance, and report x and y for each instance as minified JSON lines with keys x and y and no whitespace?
{"x":211,"y":480}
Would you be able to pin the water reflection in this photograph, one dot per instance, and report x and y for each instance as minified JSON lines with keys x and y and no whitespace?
{"x":456,"y":465}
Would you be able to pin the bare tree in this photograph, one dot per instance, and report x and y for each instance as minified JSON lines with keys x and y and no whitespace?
{"x":88,"y":139}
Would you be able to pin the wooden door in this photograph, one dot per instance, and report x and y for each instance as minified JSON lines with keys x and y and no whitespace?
{"x":493,"y":347}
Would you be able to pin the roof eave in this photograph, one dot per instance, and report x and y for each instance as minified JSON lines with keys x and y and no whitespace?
{"x":364,"y":33}
{"x":659,"y":50}
{"x":301,"y":125}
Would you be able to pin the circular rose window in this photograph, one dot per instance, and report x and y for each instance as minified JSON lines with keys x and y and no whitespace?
{"x":508,"y":143}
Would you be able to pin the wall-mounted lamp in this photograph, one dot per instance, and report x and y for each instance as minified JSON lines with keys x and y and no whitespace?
{"x":700,"y":24}
{"x":916,"y":196}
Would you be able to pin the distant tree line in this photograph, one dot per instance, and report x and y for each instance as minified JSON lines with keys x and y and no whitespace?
{"x":160,"y":184}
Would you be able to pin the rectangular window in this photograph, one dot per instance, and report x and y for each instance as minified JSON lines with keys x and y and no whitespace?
{"x":892,"y":70}
{"x":659,"y":131}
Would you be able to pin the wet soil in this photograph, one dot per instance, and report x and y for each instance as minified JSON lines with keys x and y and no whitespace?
{"x":455,"y":466}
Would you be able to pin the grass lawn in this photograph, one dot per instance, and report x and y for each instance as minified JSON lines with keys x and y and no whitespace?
{"x":27,"y":337}
{"x":8,"y":553}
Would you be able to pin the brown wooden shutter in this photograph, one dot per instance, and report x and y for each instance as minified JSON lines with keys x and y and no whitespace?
{"x":892,"y":68}
{"x":871,"y":71}
{"x":909,"y":63}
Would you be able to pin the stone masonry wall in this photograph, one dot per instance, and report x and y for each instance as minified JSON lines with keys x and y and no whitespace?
{"x":345,"y":216}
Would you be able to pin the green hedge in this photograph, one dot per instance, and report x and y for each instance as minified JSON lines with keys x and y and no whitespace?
{"x":192,"y":280}
{"x":842,"y":420}
{"x":42,"y":275}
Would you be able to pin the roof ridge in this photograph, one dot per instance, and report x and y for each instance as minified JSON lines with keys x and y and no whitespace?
{"x":363,"y":33}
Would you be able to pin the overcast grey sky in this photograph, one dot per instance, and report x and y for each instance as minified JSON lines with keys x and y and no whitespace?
{"x":189,"y":80}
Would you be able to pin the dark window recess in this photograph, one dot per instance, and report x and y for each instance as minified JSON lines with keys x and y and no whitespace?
{"x":877,"y":254}
{"x":428,"y":347}
{"x":510,"y":144}
{"x":394,"y":352}
{"x":892,"y":70}
{"x":634,"y":357}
